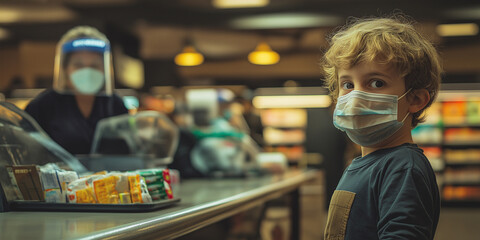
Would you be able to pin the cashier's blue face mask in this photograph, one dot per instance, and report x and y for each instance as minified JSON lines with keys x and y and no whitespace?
{"x":368,"y":118}
{"x":87,"y":81}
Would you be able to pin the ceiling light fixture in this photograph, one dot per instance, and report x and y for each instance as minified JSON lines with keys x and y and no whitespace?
{"x":292,"y":101}
{"x":263,"y":55}
{"x":291,"y":97}
{"x":470,"y":13}
{"x":240,"y":3}
{"x":189,"y":57}
{"x":34,"y":14}
{"x":459,"y":29}
{"x":285,"y":20}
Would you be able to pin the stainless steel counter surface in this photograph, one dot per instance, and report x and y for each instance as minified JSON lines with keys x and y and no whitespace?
{"x":202,"y":202}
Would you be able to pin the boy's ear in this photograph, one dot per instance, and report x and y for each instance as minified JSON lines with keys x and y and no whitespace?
{"x":418,"y":100}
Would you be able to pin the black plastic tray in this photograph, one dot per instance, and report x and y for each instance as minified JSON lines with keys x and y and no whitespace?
{"x":88,"y":207}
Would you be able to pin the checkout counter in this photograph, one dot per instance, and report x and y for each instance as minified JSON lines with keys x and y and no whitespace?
{"x":201,"y":201}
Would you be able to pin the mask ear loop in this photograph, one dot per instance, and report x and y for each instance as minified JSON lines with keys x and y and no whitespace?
{"x":403,"y":120}
{"x":405,"y":94}
{"x":408,"y":113}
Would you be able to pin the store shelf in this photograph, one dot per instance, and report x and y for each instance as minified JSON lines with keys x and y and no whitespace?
{"x":452,"y":136}
{"x":462,"y":203}
{"x":462,"y":183}
{"x":284,"y":131}
{"x":466,"y":163}
{"x":461,"y":125}
{"x":462,"y":143}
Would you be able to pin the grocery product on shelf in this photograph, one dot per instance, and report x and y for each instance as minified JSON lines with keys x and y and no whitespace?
{"x":434,"y":155}
{"x":462,"y":136}
{"x":450,"y":138}
{"x":473,"y":112}
{"x":462,"y":156}
{"x":275,"y":136}
{"x":427,"y":135}
{"x":284,"y":131}
{"x":454,"y":112}
{"x":461,"y":193}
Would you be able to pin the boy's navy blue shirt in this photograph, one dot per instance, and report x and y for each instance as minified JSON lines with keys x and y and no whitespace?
{"x":60,"y":117}
{"x":388,"y":194}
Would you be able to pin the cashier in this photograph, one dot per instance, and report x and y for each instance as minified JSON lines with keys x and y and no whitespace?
{"x":82,"y":91}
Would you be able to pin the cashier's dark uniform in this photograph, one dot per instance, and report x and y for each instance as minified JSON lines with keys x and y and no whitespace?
{"x":60,"y":117}
{"x":388,"y":194}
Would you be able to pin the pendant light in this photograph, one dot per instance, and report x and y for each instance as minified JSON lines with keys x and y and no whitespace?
{"x":263,"y":55}
{"x":189,"y":55}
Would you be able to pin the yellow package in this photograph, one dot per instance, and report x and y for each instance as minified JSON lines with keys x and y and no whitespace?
{"x":80,"y":191}
{"x":135,"y":188}
{"x":125,"y":198}
{"x":85,"y":186}
{"x":84,"y":196}
{"x":105,"y":191}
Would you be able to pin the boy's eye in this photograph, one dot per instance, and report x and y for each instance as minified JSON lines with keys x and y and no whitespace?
{"x":377,"y":84}
{"x":347,"y":85}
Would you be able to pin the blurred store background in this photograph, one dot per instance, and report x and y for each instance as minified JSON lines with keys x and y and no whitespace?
{"x":280,"y":95}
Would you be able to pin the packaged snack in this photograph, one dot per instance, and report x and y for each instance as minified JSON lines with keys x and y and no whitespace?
{"x":125,"y":198}
{"x":156,"y":187}
{"x":64,"y":178}
{"x":168,"y":190}
{"x":83,"y":196}
{"x":122,"y":183}
{"x":166,"y":176}
{"x":54,"y":196}
{"x":149,"y":179}
{"x":54,"y":182}
{"x":81,"y":190}
{"x":146,"y":198}
{"x":105,"y":191}
{"x":167,"y":183}
{"x":48,"y":176}
{"x":158,"y":197}
{"x":28,"y":181}
{"x":158,"y":182}
{"x":135,"y":188}
{"x":112,"y":188}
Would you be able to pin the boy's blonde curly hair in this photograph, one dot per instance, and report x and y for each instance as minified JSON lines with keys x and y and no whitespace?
{"x":392,"y":41}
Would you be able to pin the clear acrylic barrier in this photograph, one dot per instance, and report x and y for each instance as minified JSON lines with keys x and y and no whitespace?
{"x":23,"y":142}
{"x":147,"y":139}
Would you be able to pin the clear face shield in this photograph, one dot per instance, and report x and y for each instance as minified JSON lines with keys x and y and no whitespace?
{"x":83,"y":66}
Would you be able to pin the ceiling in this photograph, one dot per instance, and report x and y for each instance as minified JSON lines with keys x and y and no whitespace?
{"x":157,"y":29}
{"x":48,"y":19}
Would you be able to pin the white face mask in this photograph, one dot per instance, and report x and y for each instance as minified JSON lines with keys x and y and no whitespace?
{"x":87,"y":80}
{"x":368,"y":118}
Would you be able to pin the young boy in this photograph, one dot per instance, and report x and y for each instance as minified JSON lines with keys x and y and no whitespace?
{"x":383,"y":75}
